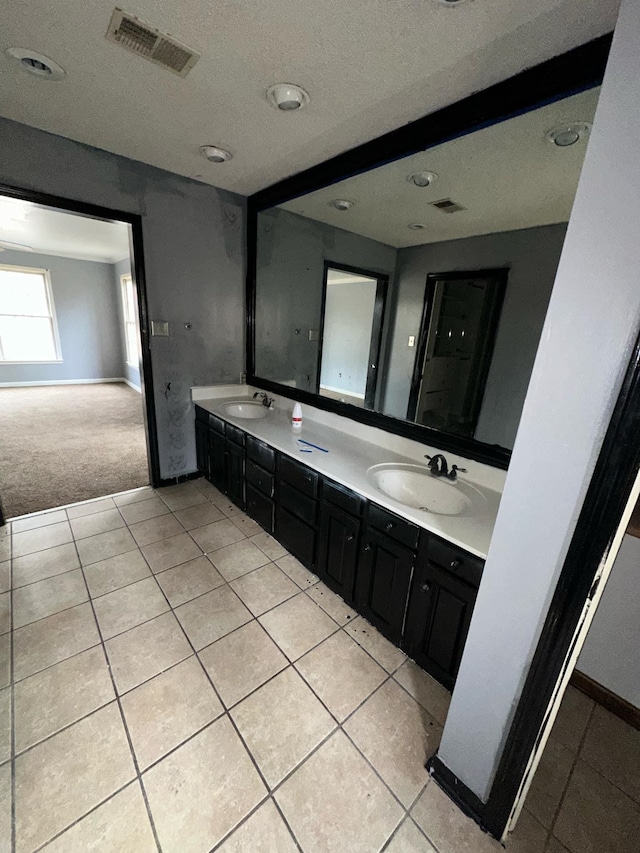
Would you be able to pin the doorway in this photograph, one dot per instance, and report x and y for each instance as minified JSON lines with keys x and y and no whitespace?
{"x":353,"y":307}
{"x":76,"y":414}
{"x":457,"y":336}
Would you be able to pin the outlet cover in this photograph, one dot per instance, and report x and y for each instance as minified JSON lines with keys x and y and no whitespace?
{"x":160,"y":328}
{"x":314,"y":334}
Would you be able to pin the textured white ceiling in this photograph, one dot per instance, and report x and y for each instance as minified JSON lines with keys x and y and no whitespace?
{"x":507,"y":176}
{"x":55,"y":232}
{"x":369,"y":66}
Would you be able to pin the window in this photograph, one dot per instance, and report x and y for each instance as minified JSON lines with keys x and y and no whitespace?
{"x":27,"y":322}
{"x":130,"y":321}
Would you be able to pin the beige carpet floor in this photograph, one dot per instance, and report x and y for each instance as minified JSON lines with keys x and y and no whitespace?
{"x":65,"y":443}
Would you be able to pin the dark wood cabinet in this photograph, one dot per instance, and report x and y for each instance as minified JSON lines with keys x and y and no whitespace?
{"x":234,"y":472}
{"x":338,"y":549}
{"x":383,"y":579}
{"x":443,"y":594}
{"x":217,"y":453}
{"x":202,"y":447}
{"x":419,"y":590}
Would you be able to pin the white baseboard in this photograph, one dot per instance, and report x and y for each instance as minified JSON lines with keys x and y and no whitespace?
{"x":65,"y":382}
{"x":131,"y":385}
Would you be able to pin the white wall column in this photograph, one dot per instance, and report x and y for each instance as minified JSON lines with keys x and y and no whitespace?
{"x":587,"y":339}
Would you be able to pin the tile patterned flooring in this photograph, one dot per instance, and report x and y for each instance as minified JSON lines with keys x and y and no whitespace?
{"x":171,"y":679}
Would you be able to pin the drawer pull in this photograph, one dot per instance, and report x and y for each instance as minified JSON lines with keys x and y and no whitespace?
{"x":309,"y":479}
{"x":367,"y":548}
{"x":455,"y":564}
{"x":425,"y":587}
{"x":389,"y":525}
{"x":350,"y":538}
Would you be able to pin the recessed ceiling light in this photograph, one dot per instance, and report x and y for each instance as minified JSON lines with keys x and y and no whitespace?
{"x":565,"y":135}
{"x":422,"y":179}
{"x":450,"y":3}
{"x":287,"y":96}
{"x":417,"y":226}
{"x":215,"y":154}
{"x":341,"y":203}
{"x":37,"y":64}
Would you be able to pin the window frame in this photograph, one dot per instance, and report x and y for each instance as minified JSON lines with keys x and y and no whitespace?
{"x":46,"y":278}
{"x":127,"y":279}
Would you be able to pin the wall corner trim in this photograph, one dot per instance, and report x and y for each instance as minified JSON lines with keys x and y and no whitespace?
{"x":468,"y":802}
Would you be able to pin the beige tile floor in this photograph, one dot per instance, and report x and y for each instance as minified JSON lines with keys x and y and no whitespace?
{"x":171,"y":679}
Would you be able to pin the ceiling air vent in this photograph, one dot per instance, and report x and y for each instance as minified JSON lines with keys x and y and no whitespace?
{"x":148,"y":42}
{"x":446,"y":205}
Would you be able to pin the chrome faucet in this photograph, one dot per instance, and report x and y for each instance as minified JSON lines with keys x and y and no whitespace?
{"x":267,"y":402}
{"x":439,"y":467}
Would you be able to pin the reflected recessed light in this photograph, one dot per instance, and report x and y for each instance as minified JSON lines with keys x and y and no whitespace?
{"x":422,"y":179}
{"x":565,"y":135}
{"x":287,"y":97}
{"x":37,"y":64}
{"x":215,"y":154}
{"x":341,"y":203}
{"x":417,"y":226}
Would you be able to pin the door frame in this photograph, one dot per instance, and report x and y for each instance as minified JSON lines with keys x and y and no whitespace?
{"x":136,"y":252}
{"x":502,"y":274}
{"x":379,"y":312}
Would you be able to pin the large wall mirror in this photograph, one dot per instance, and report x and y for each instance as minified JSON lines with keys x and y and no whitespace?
{"x":418,"y":290}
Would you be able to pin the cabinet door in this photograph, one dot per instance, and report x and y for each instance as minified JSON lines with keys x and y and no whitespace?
{"x":382,"y":582}
{"x":259,"y":507}
{"x":202,"y":448}
{"x":338,"y":549}
{"x":235,"y":473}
{"x":216,"y":458}
{"x":438,"y":622}
{"x":296,"y":536}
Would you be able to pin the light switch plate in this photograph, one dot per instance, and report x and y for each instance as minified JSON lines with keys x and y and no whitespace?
{"x":314,"y":334}
{"x":412,"y":341}
{"x":160,"y":328}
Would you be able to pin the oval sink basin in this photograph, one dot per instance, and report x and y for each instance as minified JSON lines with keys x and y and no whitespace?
{"x":416,"y":487}
{"x":245,"y":409}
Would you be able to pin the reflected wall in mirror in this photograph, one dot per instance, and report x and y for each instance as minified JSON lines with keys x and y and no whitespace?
{"x":486,"y":209}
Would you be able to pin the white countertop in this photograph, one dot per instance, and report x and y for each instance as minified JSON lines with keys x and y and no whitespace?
{"x":347,"y":462}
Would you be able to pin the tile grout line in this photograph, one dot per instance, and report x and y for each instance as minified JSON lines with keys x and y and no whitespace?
{"x":123,"y":719}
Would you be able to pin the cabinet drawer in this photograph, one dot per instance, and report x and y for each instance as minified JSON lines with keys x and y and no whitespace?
{"x":392,"y":525}
{"x":296,"y":536}
{"x":259,"y":478}
{"x":298,"y":504}
{"x":216,"y":423}
{"x":260,"y":508}
{"x":236,"y":435}
{"x":454,"y":560}
{"x":295,"y":474}
{"x":261,"y":454}
{"x":341,"y":497}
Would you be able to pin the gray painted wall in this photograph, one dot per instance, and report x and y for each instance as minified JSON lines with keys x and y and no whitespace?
{"x":586,"y":344}
{"x":348,"y":317}
{"x":86,"y":307}
{"x":290,"y":268}
{"x":194,"y":257}
{"x":610,"y":653}
{"x":119,"y":269}
{"x":532,"y":257}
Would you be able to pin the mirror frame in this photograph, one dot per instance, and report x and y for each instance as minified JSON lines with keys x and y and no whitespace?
{"x":567,"y":74}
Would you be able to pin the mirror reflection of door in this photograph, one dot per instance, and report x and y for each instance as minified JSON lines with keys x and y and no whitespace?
{"x":351,"y":334}
{"x":457,"y":337}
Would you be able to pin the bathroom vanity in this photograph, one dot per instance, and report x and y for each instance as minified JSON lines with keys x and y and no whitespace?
{"x":413,"y":574}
